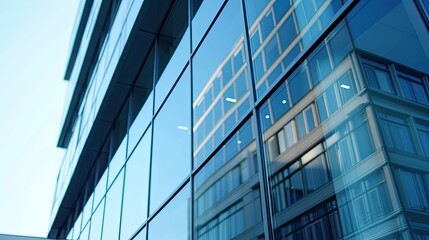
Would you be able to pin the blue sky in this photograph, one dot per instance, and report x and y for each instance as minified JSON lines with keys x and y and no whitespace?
{"x":34,"y":43}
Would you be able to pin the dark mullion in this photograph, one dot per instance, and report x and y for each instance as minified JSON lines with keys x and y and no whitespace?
{"x":191,"y":180}
{"x":263,"y":171}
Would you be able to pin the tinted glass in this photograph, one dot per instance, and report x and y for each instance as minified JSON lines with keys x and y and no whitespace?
{"x":171,"y":143}
{"x":97,"y":222}
{"x":173,"y":48}
{"x":323,"y":89}
{"x":136,"y":187}
{"x":173,"y":220}
{"x":281,"y":29}
{"x":203,"y":15}
{"x":220,"y":80}
{"x":112,"y":215}
{"x":226,"y":199}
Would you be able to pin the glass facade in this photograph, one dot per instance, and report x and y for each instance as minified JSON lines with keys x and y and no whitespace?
{"x":271,"y":119}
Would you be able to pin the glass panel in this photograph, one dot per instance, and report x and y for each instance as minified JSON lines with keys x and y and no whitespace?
{"x":379,"y":20}
{"x":282,"y":28}
{"x":136,"y":187}
{"x":423,"y":134}
{"x":173,"y":220}
{"x":140,"y":124}
{"x":379,"y":78}
{"x":299,"y":85}
{"x":413,"y":88}
{"x":171,"y":132}
{"x":396,"y":132}
{"x":346,"y":87}
{"x":203,"y":15}
{"x":97,"y":222}
{"x":141,"y":235}
{"x":112,"y":214}
{"x":173,"y":49}
{"x":226,"y":199}
{"x":415,"y":190}
{"x":220,"y":80}
{"x":100,"y":189}
{"x":117,"y":161}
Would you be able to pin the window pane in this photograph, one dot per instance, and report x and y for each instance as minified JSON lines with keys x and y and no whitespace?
{"x":300,"y":125}
{"x":299,"y":86}
{"x":396,"y":132}
{"x":112,"y":215}
{"x":204,"y":12}
{"x":279,"y":102}
{"x":331,"y":97}
{"x":173,"y":220}
{"x":136,"y":188}
{"x":286,"y":27}
{"x":423,"y":134}
{"x":97,"y":222}
{"x":221,"y":213}
{"x":347,"y":87}
{"x":227,"y":65}
{"x":172,"y":129}
{"x":416,"y":193}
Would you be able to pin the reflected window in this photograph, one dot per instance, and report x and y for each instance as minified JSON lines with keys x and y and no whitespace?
{"x":346,"y":87}
{"x":413,"y":88}
{"x":283,"y":28}
{"x":321,"y":222}
{"x":423,"y":134}
{"x":415,"y":186}
{"x":371,"y":199}
{"x":378,"y":77}
{"x":220,"y":80}
{"x":171,"y":143}
{"x":396,"y":132}
{"x":299,"y":85}
{"x":227,"y":202}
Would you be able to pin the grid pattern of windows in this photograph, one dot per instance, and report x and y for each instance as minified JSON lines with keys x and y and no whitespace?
{"x":244,"y":128}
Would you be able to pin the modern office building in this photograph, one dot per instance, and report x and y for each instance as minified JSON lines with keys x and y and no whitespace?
{"x":246,"y":119}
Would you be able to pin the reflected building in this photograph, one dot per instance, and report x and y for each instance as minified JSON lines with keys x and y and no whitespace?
{"x":281,"y":119}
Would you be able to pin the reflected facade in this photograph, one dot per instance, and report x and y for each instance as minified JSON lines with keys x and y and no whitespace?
{"x":271,"y":119}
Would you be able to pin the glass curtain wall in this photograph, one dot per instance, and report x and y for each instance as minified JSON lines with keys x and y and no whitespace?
{"x":281,"y":119}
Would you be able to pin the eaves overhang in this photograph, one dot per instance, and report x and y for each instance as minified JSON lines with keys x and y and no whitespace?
{"x":82,"y":16}
{"x":96,"y":38}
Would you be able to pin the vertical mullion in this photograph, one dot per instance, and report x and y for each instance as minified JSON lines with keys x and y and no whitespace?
{"x":191,"y":180}
{"x":155,"y":75}
{"x":263,"y":174}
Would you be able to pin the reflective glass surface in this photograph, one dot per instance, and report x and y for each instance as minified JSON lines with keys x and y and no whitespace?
{"x":136,"y":187}
{"x":203,"y":15}
{"x":97,"y":222}
{"x":112,"y":214}
{"x":175,"y":215}
{"x":173,"y":48}
{"x":227,"y":202}
{"x":279,"y":30}
{"x":221,"y":93}
{"x":338,"y":148}
{"x":171,"y":143}
{"x":117,"y":162}
{"x":141,"y":235}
